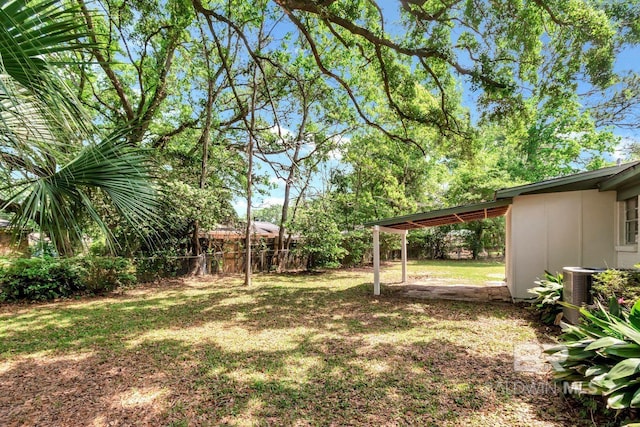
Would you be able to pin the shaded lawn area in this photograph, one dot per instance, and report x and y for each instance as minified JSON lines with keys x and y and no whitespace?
{"x":292,"y":349}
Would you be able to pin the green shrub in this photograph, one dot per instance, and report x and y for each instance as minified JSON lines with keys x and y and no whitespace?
{"x":104,"y":274}
{"x":40,"y":279}
{"x":99,"y":248}
{"x":429,"y":243}
{"x":621,"y":284}
{"x":548,"y":297}
{"x":157,"y":266}
{"x":601,"y":355}
{"x":357,"y":244}
{"x":321,"y":238}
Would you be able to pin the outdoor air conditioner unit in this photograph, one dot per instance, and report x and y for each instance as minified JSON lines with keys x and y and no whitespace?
{"x":576,"y":289}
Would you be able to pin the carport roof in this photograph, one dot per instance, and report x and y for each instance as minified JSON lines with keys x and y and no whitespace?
{"x":453,"y":215}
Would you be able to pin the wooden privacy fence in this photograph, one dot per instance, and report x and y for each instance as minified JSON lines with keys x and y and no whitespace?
{"x":229,"y":262}
{"x":262,"y":260}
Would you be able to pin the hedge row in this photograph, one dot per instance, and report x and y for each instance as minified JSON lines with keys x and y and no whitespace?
{"x":46,"y":278}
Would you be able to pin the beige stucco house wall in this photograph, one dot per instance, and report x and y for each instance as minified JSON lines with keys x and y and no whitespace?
{"x":553,"y":230}
{"x":628,"y":256}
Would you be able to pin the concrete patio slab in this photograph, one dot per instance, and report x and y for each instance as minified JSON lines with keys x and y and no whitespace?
{"x":490,"y":291}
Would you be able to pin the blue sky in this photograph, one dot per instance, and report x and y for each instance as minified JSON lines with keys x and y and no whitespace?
{"x":628,"y":61}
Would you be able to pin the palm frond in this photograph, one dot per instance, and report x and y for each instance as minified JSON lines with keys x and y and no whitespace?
{"x":46,"y":140}
{"x":39,"y":117}
{"x":60,"y":203}
{"x":31,"y":30}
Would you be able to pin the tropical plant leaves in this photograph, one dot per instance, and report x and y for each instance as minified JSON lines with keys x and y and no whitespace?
{"x":548,"y":295}
{"x":623,"y":350}
{"x":634,"y":315}
{"x":60,"y":202}
{"x":625,"y":368}
{"x":620,"y":399}
{"x":47,"y":145}
{"x":31,"y":30}
{"x":604,"y":342}
{"x":604,"y":351}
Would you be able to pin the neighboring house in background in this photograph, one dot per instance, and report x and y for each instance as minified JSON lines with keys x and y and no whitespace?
{"x":588,"y":219}
{"x":226,"y":244}
{"x":259,"y":230}
{"x":8,"y":244}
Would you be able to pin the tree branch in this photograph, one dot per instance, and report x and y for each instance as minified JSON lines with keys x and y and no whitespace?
{"x":161,"y":142}
{"x":310,"y":7}
{"x":104,"y":63}
{"x":345,"y":85}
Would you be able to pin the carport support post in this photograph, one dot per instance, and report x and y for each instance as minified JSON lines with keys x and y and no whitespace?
{"x":376,"y":260}
{"x":404,"y":257}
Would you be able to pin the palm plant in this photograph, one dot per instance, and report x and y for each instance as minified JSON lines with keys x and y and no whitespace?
{"x":548,"y":297}
{"x":48,"y":153}
{"x":601,"y":355}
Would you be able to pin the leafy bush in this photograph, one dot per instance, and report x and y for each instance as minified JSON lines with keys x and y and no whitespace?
{"x":40,"y":279}
{"x":548,"y":297}
{"x":321,"y":237}
{"x":621,"y":284}
{"x":429,"y":243}
{"x":357,"y":244}
{"x":601,"y":355}
{"x":158,"y":265}
{"x":99,"y":247}
{"x":104,"y":274}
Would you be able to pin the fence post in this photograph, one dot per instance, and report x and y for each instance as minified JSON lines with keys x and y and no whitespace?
{"x":202,"y":259}
{"x":376,"y":260}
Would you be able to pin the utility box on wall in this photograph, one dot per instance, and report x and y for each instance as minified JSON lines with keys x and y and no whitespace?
{"x":577,"y":289}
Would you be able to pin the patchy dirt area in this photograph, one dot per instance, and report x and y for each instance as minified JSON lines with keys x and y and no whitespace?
{"x":290,"y":350}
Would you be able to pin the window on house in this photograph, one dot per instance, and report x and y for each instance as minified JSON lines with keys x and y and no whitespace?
{"x":631,"y":221}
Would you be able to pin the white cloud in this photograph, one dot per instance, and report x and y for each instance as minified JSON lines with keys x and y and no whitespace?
{"x":571,"y":136}
{"x":270,"y":201}
{"x":240,"y":206}
{"x":279,"y":130}
{"x":622,"y":149}
{"x":335,"y":155}
{"x":339,"y":140}
{"x":276,"y":180}
{"x":307,"y":147}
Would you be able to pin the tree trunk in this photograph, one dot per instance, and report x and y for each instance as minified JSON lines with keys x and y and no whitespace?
{"x":247,"y":242}
{"x":252,"y":122}
{"x":282,"y":257}
{"x":282,"y":245}
{"x":196,"y":265}
{"x":199,"y":265}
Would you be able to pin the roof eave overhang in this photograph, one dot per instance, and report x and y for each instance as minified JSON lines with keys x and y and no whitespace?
{"x":591,"y":180}
{"x":458,"y":214}
{"x":630,"y":175}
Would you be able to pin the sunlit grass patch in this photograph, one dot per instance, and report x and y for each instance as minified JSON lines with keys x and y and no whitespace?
{"x":228,"y":336}
{"x":459,"y":271}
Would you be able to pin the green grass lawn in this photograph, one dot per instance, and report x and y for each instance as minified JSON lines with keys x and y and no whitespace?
{"x":463,"y":271}
{"x":293,"y":349}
